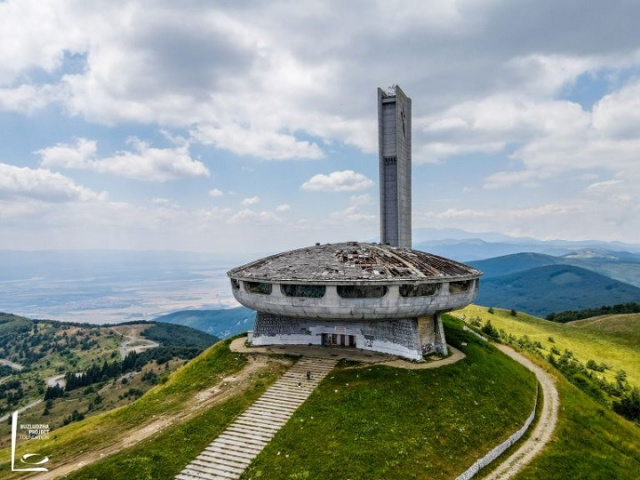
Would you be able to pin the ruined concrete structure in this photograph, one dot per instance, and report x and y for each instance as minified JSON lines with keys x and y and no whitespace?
{"x":383,"y":297}
{"x":363,"y":295}
{"x":394,"y":140}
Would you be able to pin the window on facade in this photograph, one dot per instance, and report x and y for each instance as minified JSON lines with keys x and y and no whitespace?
{"x":362,"y":291}
{"x":420,"y":290}
{"x":260,"y":288}
{"x":306,"y":291}
{"x":235,"y":284}
{"x":460,"y":287}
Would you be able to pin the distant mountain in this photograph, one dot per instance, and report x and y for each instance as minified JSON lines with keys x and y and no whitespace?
{"x":554,"y":288}
{"x":222,"y":323}
{"x":517,"y":262}
{"x":467,"y":246}
{"x":622,"y":266}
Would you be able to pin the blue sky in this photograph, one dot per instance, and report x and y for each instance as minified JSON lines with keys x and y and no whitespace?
{"x":251,"y":126}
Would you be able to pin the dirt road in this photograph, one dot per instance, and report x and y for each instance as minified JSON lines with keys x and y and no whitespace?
{"x":544,"y":428}
{"x":226,"y":388}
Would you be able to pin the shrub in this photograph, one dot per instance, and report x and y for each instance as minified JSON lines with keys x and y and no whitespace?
{"x":629,"y":405}
{"x":490,"y":330}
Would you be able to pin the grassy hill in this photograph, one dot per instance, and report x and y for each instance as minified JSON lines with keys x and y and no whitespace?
{"x":181,"y":394}
{"x":554,"y":288}
{"x":41,"y":352}
{"x":517,"y":262}
{"x":371,"y":421}
{"x":222,"y":323}
{"x":621,"y":266}
{"x":591,"y":441}
{"x":374,"y":422}
{"x":624,"y":328}
{"x":584,"y":338}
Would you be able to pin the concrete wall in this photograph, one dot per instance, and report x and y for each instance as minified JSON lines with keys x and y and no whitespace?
{"x":500,"y":449}
{"x":390,"y":306}
{"x":396,"y":337}
{"x":394,"y":141}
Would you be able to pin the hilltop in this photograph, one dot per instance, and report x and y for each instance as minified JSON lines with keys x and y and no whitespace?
{"x":553,"y":288}
{"x":62,"y":372}
{"x":621,"y":266}
{"x":222,"y":323}
{"x":363,"y":421}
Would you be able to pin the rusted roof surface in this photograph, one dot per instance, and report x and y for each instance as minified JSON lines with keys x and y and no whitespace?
{"x":353,"y":262}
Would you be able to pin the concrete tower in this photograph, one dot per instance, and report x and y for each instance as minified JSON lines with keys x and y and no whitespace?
{"x":394,"y":140}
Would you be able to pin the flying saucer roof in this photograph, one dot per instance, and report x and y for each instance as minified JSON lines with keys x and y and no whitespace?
{"x":353,"y":262}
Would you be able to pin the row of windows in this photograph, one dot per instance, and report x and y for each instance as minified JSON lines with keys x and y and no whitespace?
{"x":352,"y":291}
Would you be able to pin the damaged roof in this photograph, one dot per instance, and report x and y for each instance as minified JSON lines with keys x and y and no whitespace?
{"x":353,"y":262}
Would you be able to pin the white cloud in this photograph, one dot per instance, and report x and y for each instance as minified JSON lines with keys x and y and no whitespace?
{"x":618,"y":114}
{"x":144,"y":163}
{"x":350,"y":215}
{"x":80,"y":155}
{"x":364,"y":199}
{"x":250,"y":201}
{"x":215,"y":193}
{"x":262,"y":144}
{"x":253,"y":217}
{"x":42,"y":184}
{"x":26,"y":98}
{"x":344,"y":181}
{"x":283,"y":208}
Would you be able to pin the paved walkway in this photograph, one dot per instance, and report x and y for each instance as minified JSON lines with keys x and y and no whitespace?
{"x":348,"y":353}
{"x":232,"y":452}
{"x":544,"y":428}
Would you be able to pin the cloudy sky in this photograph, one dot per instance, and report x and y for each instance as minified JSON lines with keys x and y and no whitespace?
{"x":252,"y":126}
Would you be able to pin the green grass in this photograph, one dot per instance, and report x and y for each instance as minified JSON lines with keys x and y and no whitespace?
{"x":586,"y":342}
{"x":624,"y":328}
{"x":164,"y":455}
{"x":590,"y":442}
{"x":383,"y":422}
{"x":94,"y":432}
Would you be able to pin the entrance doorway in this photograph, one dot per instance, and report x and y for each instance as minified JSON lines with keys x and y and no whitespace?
{"x":338,"y":340}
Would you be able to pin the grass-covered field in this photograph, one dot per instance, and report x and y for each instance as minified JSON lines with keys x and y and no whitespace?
{"x":378,"y":422}
{"x":590,"y":442}
{"x":170,"y":397}
{"x":614,"y":344}
{"x":165,"y":455}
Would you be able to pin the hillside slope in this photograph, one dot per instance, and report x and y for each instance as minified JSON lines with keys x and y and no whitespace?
{"x":507,"y":264}
{"x":621,"y":266}
{"x":221,"y":323}
{"x":591,"y":441}
{"x":625,"y":328}
{"x":554,"y":288}
{"x":376,"y":422}
{"x":585,"y":343}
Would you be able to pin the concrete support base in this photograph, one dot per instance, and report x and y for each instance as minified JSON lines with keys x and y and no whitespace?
{"x":410,"y":338}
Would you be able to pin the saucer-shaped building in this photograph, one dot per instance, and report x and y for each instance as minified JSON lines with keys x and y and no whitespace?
{"x":363,"y":295}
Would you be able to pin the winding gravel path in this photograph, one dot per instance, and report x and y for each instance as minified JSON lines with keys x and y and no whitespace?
{"x":544,"y":428}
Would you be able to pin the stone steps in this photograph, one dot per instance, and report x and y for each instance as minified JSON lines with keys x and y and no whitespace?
{"x":235,"y":448}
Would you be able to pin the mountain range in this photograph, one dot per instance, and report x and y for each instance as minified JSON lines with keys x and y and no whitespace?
{"x":540,"y":284}
{"x":531,"y":282}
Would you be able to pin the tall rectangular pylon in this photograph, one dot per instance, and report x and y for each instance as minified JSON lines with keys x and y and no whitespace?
{"x":394,"y":140}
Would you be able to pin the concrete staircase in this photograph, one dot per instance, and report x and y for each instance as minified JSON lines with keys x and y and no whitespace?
{"x":232,"y":452}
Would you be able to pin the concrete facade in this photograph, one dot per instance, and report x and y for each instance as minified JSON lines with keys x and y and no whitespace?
{"x":390,"y":306}
{"x":368,"y":296}
{"x":394,"y":140}
{"x":409,"y":338}
{"x":382,"y":297}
